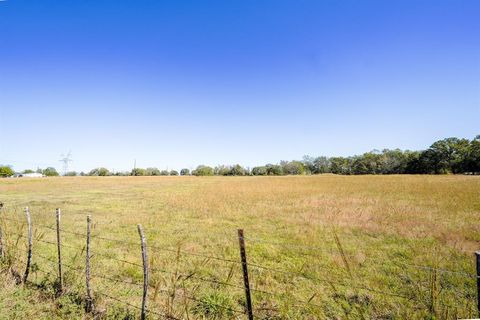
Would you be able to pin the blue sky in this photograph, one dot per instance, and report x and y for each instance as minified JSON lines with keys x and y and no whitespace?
{"x":175,"y":84}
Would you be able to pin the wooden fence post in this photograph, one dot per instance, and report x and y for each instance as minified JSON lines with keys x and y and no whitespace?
{"x":145,"y":272}
{"x":243,"y":256}
{"x":1,"y":235}
{"x":477,"y":256}
{"x":29,"y":254}
{"x":1,"y":243}
{"x":58,"y":213}
{"x":89,"y":301}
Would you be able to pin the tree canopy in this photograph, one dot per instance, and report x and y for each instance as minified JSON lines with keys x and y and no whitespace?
{"x":446,"y":156}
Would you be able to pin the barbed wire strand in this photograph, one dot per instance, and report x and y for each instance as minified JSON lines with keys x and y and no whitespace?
{"x":250,"y":264}
{"x":254,"y":265}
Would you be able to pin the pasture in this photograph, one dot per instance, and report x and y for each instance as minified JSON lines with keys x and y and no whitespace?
{"x":320,"y":247}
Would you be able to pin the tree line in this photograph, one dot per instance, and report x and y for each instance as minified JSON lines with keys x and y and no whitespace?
{"x":446,"y":156}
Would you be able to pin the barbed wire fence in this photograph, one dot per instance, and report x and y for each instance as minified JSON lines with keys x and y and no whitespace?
{"x":248,"y":308}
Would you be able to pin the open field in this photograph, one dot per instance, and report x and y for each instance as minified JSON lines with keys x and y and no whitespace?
{"x":387,"y":228}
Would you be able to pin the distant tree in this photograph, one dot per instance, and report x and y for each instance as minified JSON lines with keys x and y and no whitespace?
{"x":237,"y":170}
{"x":412,"y":159}
{"x":152,"y":172}
{"x":274,"y":169}
{"x":6,"y":171}
{"x":446,"y":156}
{"x":360,"y":166}
{"x":293,"y":167}
{"x":472,"y":161}
{"x":184,"y":172}
{"x":28,"y":171}
{"x":103,"y":172}
{"x":202,"y":170}
{"x":71,"y":174}
{"x":138,"y":172}
{"x":164,"y":173}
{"x":221,"y":170}
{"x":174,"y":173}
{"x":50,"y":172}
{"x":259,"y":171}
{"x":341,"y":165}
{"x":393,"y":161}
{"x":368,"y":163}
{"x":321,"y":165}
{"x":100,"y":172}
{"x":309,"y":164}
{"x":82,"y":174}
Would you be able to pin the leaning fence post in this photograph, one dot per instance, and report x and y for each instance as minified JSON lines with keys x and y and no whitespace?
{"x":477,"y":256}
{"x":243,"y":256}
{"x":58,"y":213}
{"x":145,"y":272}
{"x":29,"y":254}
{"x":89,"y":301}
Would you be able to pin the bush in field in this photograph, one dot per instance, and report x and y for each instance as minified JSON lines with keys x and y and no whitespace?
{"x":203,"y":171}
{"x":174,"y":173}
{"x":6,"y":171}
{"x":50,"y":172}
{"x":71,"y":174}
{"x":184,"y":172}
{"x":164,"y":173}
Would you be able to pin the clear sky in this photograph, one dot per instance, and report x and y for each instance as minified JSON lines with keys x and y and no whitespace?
{"x":180,"y":83}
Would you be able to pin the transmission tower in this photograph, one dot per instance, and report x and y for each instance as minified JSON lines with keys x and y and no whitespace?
{"x":66,"y":159}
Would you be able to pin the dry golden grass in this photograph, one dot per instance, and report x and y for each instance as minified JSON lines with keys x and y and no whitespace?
{"x":384,"y":224}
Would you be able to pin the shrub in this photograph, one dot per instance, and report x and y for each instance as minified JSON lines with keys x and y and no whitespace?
{"x":6,"y":171}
